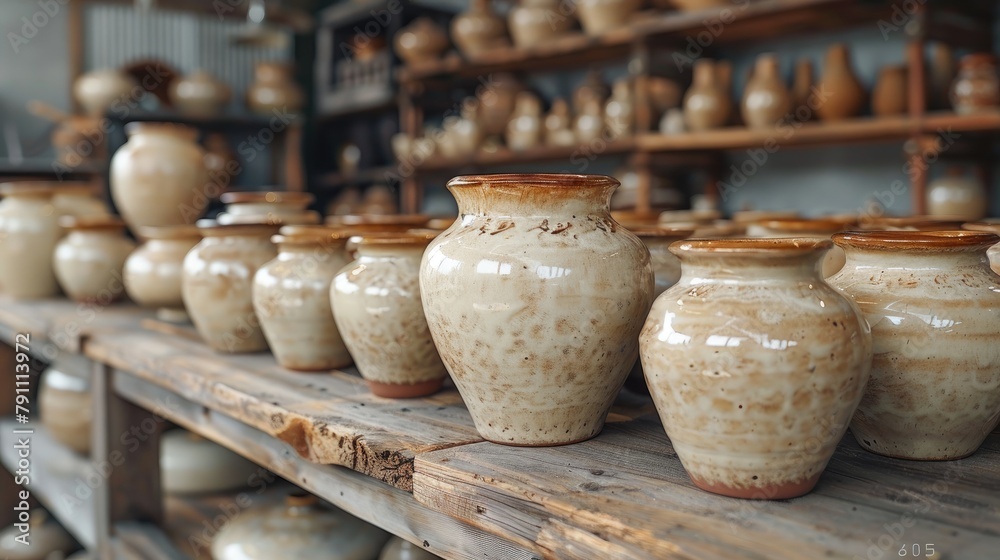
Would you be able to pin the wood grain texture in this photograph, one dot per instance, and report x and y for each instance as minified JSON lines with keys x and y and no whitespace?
{"x":62,"y":323}
{"x":625,"y":495}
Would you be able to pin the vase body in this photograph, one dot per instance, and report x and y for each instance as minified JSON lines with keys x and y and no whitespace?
{"x":274,"y":90}
{"x":600,"y":16}
{"x":281,"y":208}
{"x":957,"y":196}
{"x":889,"y":98}
{"x":802,"y":84}
{"x":766,"y":100}
{"x":496,"y":104}
{"x":291,"y":297}
{"x":29,"y":231}
{"x":845,"y":96}
{"x":158,"y":178}
{"x":98,"y":90}
{"x":217,"y":284}
{"x":524,"y":131}
{"x":933,"y":305}
{"x":377,"y":305}
{"x":479,"y":29}
{"x":89,"y":261}
{"x":535,"y":22}
{"x":535,"y":300}
{"x":706,"y":103}
{"x":65,"y":405}
{"x":153,"y":272}
{"x":200,"y":94}
{"x":755,"y":365}
{"x":421,"y":41}
{"x":976,"y":87}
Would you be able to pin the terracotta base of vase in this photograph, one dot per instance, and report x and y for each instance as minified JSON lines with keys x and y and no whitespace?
{"x":168,"y":315}
{"x":772,"y":492}
{"x":405,"y":391}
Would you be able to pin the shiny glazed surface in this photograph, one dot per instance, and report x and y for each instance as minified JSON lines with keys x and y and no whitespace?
{"x":755,"y":365}
{"x":153,"y":272}
{"x":89,"y":264}
{"x":935,"y":386}
{"x":28,"y":235}
{"x":535,"y":299}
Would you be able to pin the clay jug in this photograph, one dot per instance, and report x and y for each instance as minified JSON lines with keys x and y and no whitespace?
{"x":421,"y":41}
{"x":706,"y":103}
{"x":479,"y":29}
{"x":98,"y":90}
{"x":889,"y":95}
{"x":496,"y":104}
{"x":766,"y":100}
{"x":89,"y":261}
{"x":200,"y":94}
{"x":592,"y":88}
{"x":589,"y":124}
{"x":600,"y":16}
{"x":846,"y":95}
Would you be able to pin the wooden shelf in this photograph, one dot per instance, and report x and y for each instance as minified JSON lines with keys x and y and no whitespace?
{"x":574,"y":155}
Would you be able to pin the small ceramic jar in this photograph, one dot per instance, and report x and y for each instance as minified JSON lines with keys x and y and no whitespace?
{"x":273,"y":207}
{"x":804,"y":228}
{"x":766,"y":100}
{"x":536,"y":22}
{"x":989,"y":226}
{"x":479,"y":29}
{"x":291,"y":296}
{"x":755,"y":364}
{"x":376,"y":303}
{"x":956,"y":196}
{"x":89,"y":261}
{"x":933,"y":304}
{"x":29,"y":231}
{"x":64,"y":404}
{"x":274,"y":90}
{"x":706,"y":103}
{"x":977,"y":86}
{"x":191,"y":464}
{"x":200,"y":94}
{"x":153,"y":271}
{"x":97,"y":90}
{"x":421,"y":41}
{"x":217,"y":284}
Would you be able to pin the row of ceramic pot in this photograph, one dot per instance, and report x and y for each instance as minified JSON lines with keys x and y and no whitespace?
{"x":197,"y":94}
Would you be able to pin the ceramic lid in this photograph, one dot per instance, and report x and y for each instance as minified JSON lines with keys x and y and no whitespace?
{"x":305,"y":217}
{"x":310,"y":235}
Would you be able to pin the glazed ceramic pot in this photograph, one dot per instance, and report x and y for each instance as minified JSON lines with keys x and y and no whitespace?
{"x":957,"y":196}
{"x":77,"y":200}
{"x":291,"y":297}
{"x":479,"y":29}
{"x":272,"y":207}
{"x":889,"y":97}
{"x":802,"y":84}
{"x":217,"y":284}
{"x":804,"y":228}
{"x":524,"y":131}
{"x":989,"y":226}
{"x":376,"y":303}
{"x":375,"y":223}
{"x":98,"y":90}
{"x":29,"y":231}
{"x":64,"y":404}
{"x":766,"y":100}
{"x":464,"y":131}
{"x":933,"y":304}
{"x":619,"y":111}
{"x":152,"y":273}
{"x":48,"y":540}
{"x":558,"y":125}
{"x":158,"y":178}
{"x":274,"y":90}
{"x":662,"y":195}
{"x":845,"y":97}
{"x":421,"y":41}
{"x":191,"y":464}
{"x":535,"y":301}
{"x":706,"y":103}
{"x":977,"y":86}
{"x":593,"y":88}
{"x":200,"y":94}
{"x":589,"y":124}
{"x":301,"y":528}
{"x":89,"y":261}
{"x":759,"y":414}
{"x":401,"y":549}
{"x":536,"y":22}
{"x":600,"y":16}
{"x":496,"y":103}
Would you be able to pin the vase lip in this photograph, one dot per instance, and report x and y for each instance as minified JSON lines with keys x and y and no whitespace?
{"x":409,"y":238}
{"x":415,"y":220}
{"x":310,"y":235}
{"x":664,"y":232}
{"x":212,"y":228}
{"x":275,"y":197}
{"x":751,"y":246}
{"x":92,"y":223}
{"x":545,"y":180}
{"x":173,"y":129}
{"x":185,"y":231}
{"x":920,"y":241}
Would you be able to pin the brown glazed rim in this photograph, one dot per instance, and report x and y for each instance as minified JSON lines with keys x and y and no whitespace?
{"x":38,"y":189}
{"x":804,"y":225}
{"x":180,"y":130}
{"x":387,"y":239}
{"x":915,"y":240}
{"x":168,"y":232}
{"x":545,"y":180}
{"x":987,"y":226}
{"x":660,"y":232}
{"x":92,"y":223}
{"x":214,"y":228}
{"x":309,"y":235}
{"x":975,"y":59}
{"x":749,"y":246}
{"x":266,"y":196}
{"x":378,"y":219}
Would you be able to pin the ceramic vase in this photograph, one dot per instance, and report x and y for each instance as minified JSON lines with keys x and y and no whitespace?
{"x":496,"y":104}
{"x":889,"y":98}
{"x":766,"y":100}
{"x":89,"y":261}
{"x":976,"y":87}
{"x":619,"y":111}
{"x":755,"y":365}
{"x":559,"y":125}
{"x":802,"y":91}
{"x":989,"y":226}
{"x":706,"y":103}
{"x":593,"y":88}
{"x":77,"y":200}
{"x":535,"y":22}
{"x":933,"y":304}
{"x":158,"y":178}
{"x":217,"y":284}
{"x":845,"y":96}
{"x":524,"y":131}
{"x":941,"y":72}
{"x":64,"y":403}
{"x":152,"y":273}
{"x":191,"y":464}
{"x":957,"y":196}
{"x":273,"y":207}
{"x":535,"y":301}
{"x":819,"y":228}
{"x":421,"y":41}
{"x":377,"y":305}
{"x":200,"y":94}
{"x":589,"y":124}
{"x":274,"y":91}
{"x":479,"y":29}
{"x":291,"y":297}
{"x":600,"y":16}
{"x":98,"y":90}
{"x":29,"y":231}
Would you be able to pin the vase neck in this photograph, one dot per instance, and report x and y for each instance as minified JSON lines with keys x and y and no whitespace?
{"x":766,"y":68}
{"x":533,"y":195}
{"x":861,"y":259}
{"x":704,"y":73}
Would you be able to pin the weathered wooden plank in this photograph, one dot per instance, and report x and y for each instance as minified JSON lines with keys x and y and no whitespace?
{"x":390,"y":508}
{"x":326,"y":418}
{"x":626,"y":494}
{"x":62,"y":325}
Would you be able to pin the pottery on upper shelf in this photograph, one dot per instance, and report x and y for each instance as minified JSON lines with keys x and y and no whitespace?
{"x":200,"y":94}
{"x":535,"y":22}
{"x":479,"y":29}
{"x":889,"y":97}
{"x":524,"y":131}
{"x":706,"y":104}
{"x":766,"y":100}
{"x":844,"y":95}
{"x":977,"y":86}
{"x":801,"y":92}
{"x":619,"y":111}
{"x":957,"y":196}
{"x":559,"y":125}
{"x":98,"y":90}
{"x":421,"y":41}
{"x":274,"y":90}
{"x":600,"y":16}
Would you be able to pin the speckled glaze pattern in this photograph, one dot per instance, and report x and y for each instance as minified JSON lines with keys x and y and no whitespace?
{"x":153,"y":271}
{"x":755,"y":365}
{"x":89,"y":264}
{"x":935,"y":386}
{"x":217,"y":285}
{"x":291,"y":296}
{"x":535,"y":299}
{"x":377,"y":304}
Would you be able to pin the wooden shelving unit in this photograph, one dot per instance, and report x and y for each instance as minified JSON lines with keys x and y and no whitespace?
{"x":418,"y":469}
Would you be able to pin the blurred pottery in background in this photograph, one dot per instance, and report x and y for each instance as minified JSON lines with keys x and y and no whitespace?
{"x":89,"y":261}
{"x":29,"y":231}
{"x":524,"y":131}
{"x":534,"y":22}
{"x":593,"y":88}
{"x":664,"y":94}
{"x":77,"y":200}
{"x":379,"y":199}
{"x":64,"y":403}
{"x":673,"y":122}
{"x":908,"y":223}
{"x":152,"y":273}
{"x":802,"y":84}
{"x":619,"y":111}
{"x":600,"y":16}
{"x":706,"y":103}
{"x":421,"y":41}
{"x":274,"y":90}
{"x":559,"y":125}
{"x":941,"y":71}
{"x":191,"y":464}
{"x":221,"y":162}
{"x":889,"y":98}
{"x":47,"y":541}
{"x":977,"y":86}
{"x":845,"y":96}
{"x":200,"y":94}
{"x":479,"y":29}
{"x":97,"y":90}
{"x":589,"y":124}
{"x":766,"y":100}
{"x":933,"y":305}
{"x":989,"y":226}
{"x":957,"y":196}
{"x":718,"y":402}
{"x":751,"y":216}
{"x":272,"y":207}
{"x":497,"y":104}
{"x":663,"y":194}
